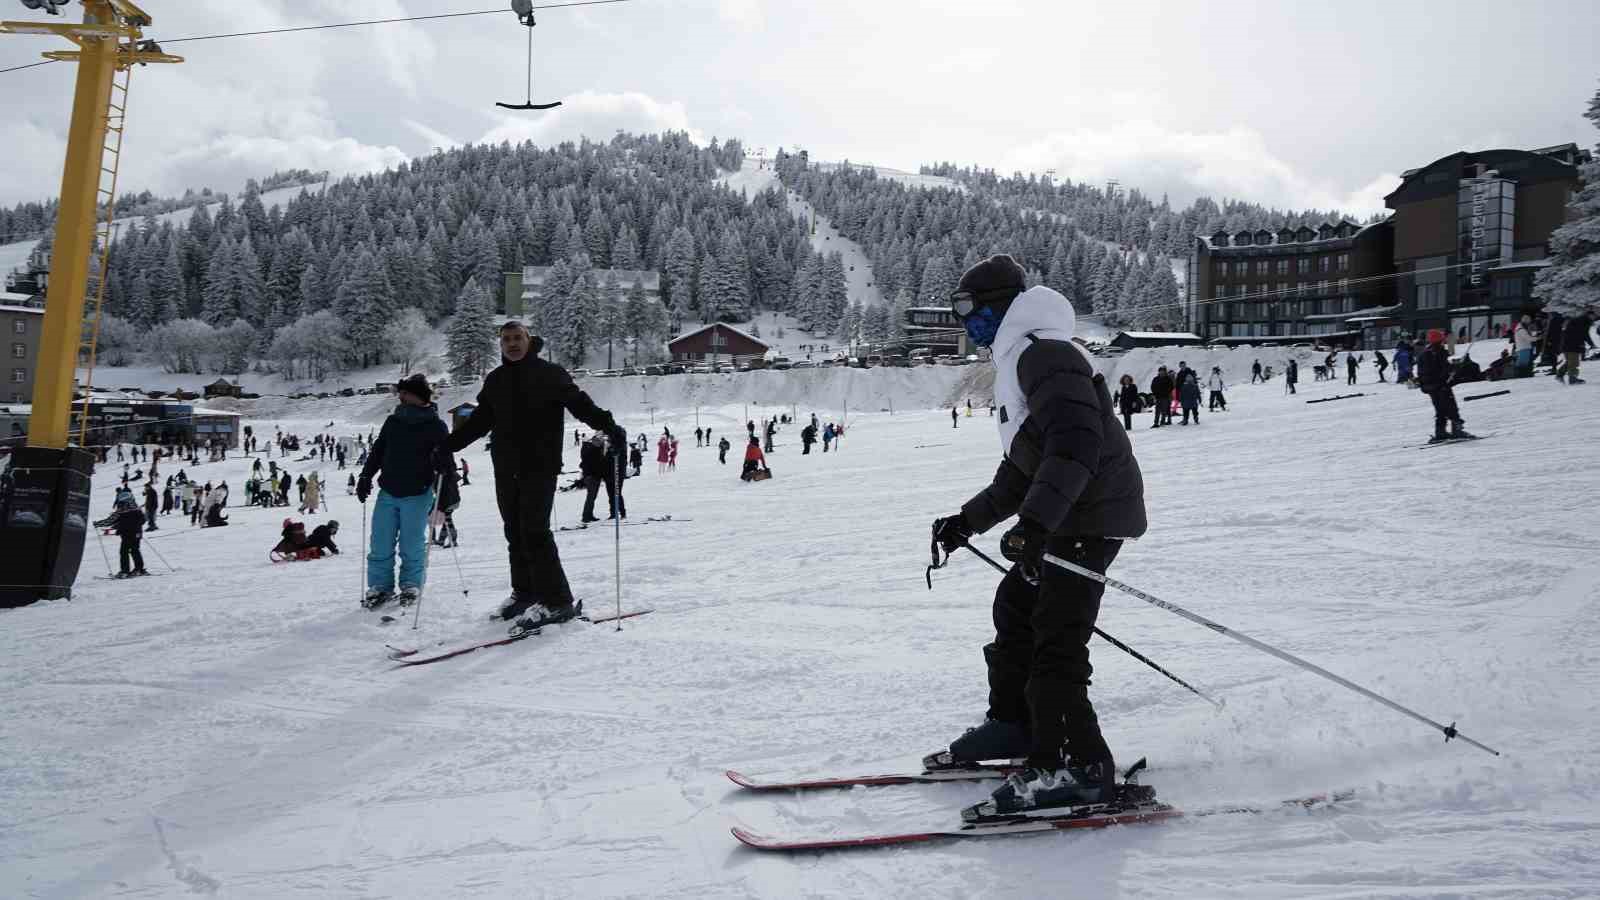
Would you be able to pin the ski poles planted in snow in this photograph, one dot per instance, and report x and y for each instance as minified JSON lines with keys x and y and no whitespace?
{"x":616,"y":521}
{"x":1449,"y":731}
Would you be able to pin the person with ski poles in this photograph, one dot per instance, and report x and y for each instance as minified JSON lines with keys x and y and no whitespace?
{"x":524,"y":401}
{"x":410,"y":453}
{"x":1069,"y":475}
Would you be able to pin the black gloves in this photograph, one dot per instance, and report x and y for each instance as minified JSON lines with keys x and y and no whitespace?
{"x":618,"y":438}
{"x":1024,"y":545}
{"x":363,"y":487}
{"x":952,"y":532}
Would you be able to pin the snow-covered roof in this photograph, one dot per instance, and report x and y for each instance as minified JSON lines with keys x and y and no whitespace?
{"x":739,"y":331}
{"x":1160,"y":335}
{"x":649,"y":279}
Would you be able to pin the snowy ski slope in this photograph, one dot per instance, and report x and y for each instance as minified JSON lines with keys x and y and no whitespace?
{"x":233,"y":728}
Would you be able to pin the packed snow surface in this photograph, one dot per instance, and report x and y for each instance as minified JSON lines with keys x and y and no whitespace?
{"x":234,"y":728}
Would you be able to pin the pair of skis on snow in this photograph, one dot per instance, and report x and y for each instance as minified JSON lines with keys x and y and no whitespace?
{"x":411,"y":657}
{"x":1135,"y":804}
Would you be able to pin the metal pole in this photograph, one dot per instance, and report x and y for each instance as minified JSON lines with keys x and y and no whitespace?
{"x":1114,"y":642}
{"x":366,"y":555}
{"x":1449,"y":731}
{"x":616,"y":531}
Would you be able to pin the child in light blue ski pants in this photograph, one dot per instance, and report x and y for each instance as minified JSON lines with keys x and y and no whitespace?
{"x":402,"y":520}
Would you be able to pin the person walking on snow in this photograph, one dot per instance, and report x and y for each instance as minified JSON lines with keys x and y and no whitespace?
{"x":722,"y":450}
{"x":1433,"y":375}
{"x":1127,"y":401}
{"x":1161,"y":388}
{"x":524,"y":401}
{"x":1255,"y":372}
{"x":1189,"y":392}
{"x":1350,"y":363}
{"x":661,"y":455}
{"x":1215,"y":383}
{"x":150,"y":507}
{"x":1383,"y":364}
{"x":1575,"y":339}
{"x":1291,"y":375}
{"x":410,"y":453}
{"x":954,"y":423}
{"x":828,"y":435}
{"x":592,"y":462}
{"x":129,"y":525}
{"x":1069,"y":475}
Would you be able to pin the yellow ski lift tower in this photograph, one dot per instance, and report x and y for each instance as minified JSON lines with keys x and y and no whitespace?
{"x":44,"y":504}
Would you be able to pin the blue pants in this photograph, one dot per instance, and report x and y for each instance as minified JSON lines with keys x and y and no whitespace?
{"x":402,"y":519}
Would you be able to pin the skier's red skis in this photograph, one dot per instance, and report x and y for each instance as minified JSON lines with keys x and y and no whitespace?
{"x":934,"y":776}
{"x":1149,"y":812}
{"x":405,"y":657}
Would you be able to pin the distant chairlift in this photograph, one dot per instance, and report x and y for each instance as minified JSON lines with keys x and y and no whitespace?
{"x":524,"y":11}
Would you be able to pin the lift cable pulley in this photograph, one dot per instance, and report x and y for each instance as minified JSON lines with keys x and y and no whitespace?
{"x":524,"y":11}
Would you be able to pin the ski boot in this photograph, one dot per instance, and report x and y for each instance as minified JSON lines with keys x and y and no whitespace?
{"x":408,"y":596}
{"x":1457,"y":433}
{"x":540,"y":615}
{"x":1072,"y":789}
{"x":376,"y":598}
{"x":993,"y":739}
{"x":513,"y":607}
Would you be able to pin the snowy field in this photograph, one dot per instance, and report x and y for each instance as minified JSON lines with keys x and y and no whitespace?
{"x":234,"y":728}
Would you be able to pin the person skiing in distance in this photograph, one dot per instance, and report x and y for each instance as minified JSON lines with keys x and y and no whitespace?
{"x":953,"y":421}
{"x":1070,"y":477}
{"x":808,"y":436}
{"x":1291,"y":375}
{"x":592,"y":464}
{"x":1433,"y":375}
{"x":410,"y":453}
{"x":1382,"y":363}
{"x":636,"y":459}
{"x":722,"y":450}
{"x":829,"y":433}
{"x":524,"y":401}
{"x":150,"y":507}
{"x":1127,"y":401}
{"x":465,"y":471}
{"x":129,"y":525}
{"x":1255,"y":372}
{"x":1350,"y":363}
{"x":699,"y":435}
{"x":1403,"y":358}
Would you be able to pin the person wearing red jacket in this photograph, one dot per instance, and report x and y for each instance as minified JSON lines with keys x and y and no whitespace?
{"x":754,"y":460}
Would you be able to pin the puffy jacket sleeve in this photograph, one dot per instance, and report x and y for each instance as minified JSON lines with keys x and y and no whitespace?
{"x":1064,"y":408}
{"x":999,"y":501}
{"x":375,"y":455}
{"x":575,"y":401}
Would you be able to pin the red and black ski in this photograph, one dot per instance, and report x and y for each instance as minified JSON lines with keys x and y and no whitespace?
{"x":934,"y":776}
{"x":1086,"y":817}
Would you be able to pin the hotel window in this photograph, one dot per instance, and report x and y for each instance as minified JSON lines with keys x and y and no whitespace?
{"x":1241,"y":269}
{"x":1303,"y":265}
{"x":1283,"y":288}
{"x":1283,"y":267}
{"x":1344,"y":262}
{"x":1221,"y":270}
{"x":1344,"y":285}
{"x":1323,"y":263}
{"x":1430,"y":296}
{"x":19,"y":351}
{"x":18,"y":376}
{"x":1322,"y":287}
{"x":20,"y":326}
{"x":1261,"y":267}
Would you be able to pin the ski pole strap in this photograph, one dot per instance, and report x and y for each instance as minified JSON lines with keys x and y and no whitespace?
{"x":937,"y":562}
{"x":1449,"y":731}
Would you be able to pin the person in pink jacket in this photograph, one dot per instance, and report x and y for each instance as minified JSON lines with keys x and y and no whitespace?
{"x":661,"y":455}
{"x":672,"y":455}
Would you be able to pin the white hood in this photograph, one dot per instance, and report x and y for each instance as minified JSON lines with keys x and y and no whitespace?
{"x":1046,"y":315}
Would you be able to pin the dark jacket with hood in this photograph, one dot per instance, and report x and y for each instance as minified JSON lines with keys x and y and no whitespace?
{"x":1161,"y":385}
{"x":409,"y":453}
{"x":1068,"y":465}
{"x":524,"y":403}
{"x":1433,"y":367}
{"x":1575,"y":334}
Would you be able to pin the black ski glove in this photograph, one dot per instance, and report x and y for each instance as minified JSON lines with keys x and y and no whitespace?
{"x":363,"y":487}
{"x":1024,"y":545}
{"x":952,"y":532}
{"x":618,"y":438}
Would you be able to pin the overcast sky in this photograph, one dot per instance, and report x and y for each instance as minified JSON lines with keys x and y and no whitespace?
{"x":1289,"y":104}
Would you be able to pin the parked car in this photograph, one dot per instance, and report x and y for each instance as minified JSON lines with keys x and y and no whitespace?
{"x":675,"y":368}
{"x":655,"y":370}
{"x":629,"y":370}
{"x":701,"y":369}
{"x":803,"y":364}
{"x":780,"y":362}
{"x":579,"y":373}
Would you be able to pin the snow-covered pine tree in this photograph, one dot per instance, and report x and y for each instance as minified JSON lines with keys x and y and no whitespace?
{"x":365,"y":303}
{"x":250,"y":287}
{"x":469,"y":337}
{"x":731,"y":277}
{"x":166,"y":287}
{"x":939,"y":278}
{"x":407,"y":338}
{"x":220,"y":298}
{"x":609,"y":321}
{"x":677,"y":273}
{"x":1571,"y":284}
{"x":625,"y":250}
{"x":636,"y":314}
{"x":835,"y":293}
{"x":550,"y":315}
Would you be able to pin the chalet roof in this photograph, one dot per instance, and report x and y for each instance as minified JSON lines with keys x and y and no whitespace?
{"x":1160,"y":335}
{"x":710,"y":325}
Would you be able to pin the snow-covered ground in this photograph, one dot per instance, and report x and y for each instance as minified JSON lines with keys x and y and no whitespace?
{"x":234,"y":727}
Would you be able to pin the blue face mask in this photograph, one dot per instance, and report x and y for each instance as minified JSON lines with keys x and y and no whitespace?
{"x":982,"y":326}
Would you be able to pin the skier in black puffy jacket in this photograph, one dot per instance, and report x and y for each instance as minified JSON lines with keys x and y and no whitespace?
{"x":1161,"y":389}
{"x":524,"y":401}
{"x":1069,"y":475}
{"x":1433,"y":376}
{"x":129,"y":523}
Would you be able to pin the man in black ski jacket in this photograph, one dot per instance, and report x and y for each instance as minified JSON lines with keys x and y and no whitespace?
{"x":129,"y":523}
{"x":1575,"y":340}
{"x":592,"y":462}
{"x":1069,"y":475}
{"x":1161,"y":389}
{"x":1433,"y":376}
{"x":524,"y":402}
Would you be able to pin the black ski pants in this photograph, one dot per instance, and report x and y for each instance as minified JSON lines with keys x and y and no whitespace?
{"x":130,"y":550}
{"x":525,"y":500}
{"x":614,"y":501}
{"x":591,"y":484}
{"x":1445,"y":409}
{"x":1218,"y":401}
{"x":1039,"y":661}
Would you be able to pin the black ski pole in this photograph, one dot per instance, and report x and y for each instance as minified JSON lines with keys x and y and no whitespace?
{"x":1449,"y":731}
{"x":1113,"y":641}
{"x":616,"y":530}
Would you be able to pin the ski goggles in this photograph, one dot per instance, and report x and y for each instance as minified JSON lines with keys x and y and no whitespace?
{"x":965,"y":303}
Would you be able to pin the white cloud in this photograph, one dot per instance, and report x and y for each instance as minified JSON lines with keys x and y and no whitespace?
{"x":744,"y":14}
{"x":227,"y":160}
{"x":596,"y":116}
{"x":1235,"y":164}
{"x":32,"y":169}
